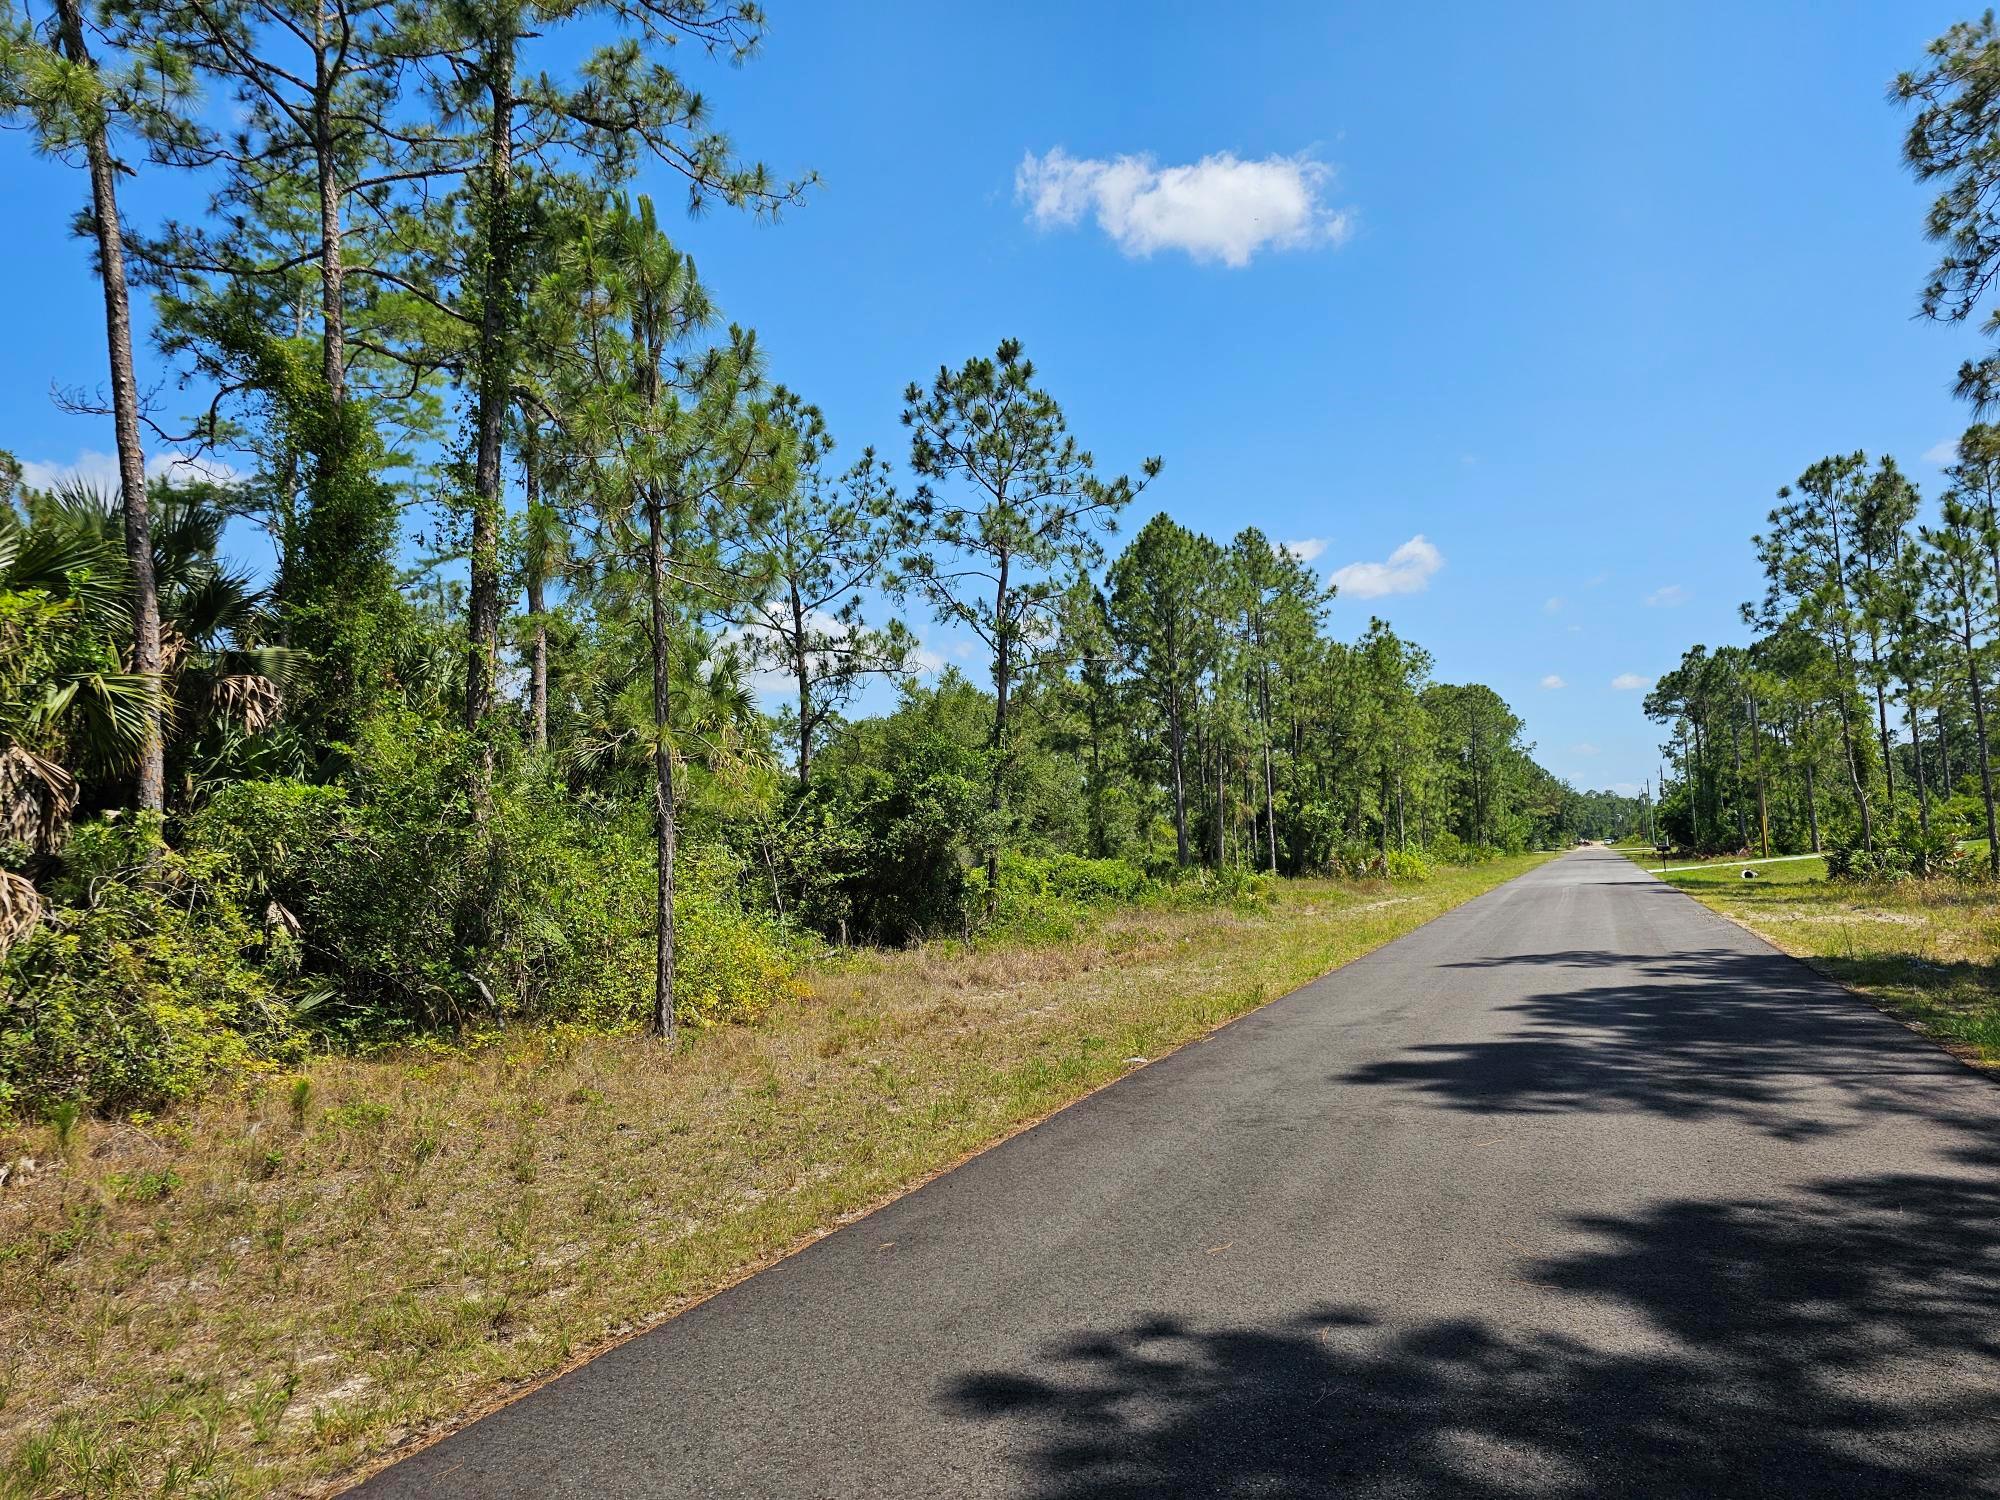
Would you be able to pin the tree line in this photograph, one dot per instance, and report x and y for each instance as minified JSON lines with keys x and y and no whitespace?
{"x":1859,"y":719}
{"x":543,"y":525}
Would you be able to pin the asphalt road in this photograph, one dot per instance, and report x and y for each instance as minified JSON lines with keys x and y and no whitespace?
{"x":1579,"y":1190}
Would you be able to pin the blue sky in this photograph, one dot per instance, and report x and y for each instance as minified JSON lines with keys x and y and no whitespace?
{"x":1566,"y":291}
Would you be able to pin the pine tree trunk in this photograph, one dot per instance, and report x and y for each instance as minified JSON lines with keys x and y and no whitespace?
{"x":1221,"y":795}
{"x":332,"y":270}
{"x":802,"y":679}
{"x":495,"y":381}
{"x":1101,"y":843}
{"x":1177,"y":745}
{"x":1854,"y":776}
{"x":1812,"y":790}
{"x":1387,"y":793}
{"x":1003,"y":663}
{"x":537,"y":583}
{"x":1979,"y":724}
{"x":1944,"y":752}
{"x":1849,"y":677}
{"x":1882,"y":718}
{"x":1757,"y":757}
{"x":538,"y":665}
{"x":1917,"y":757}
{"x":1736,"y":763}
{"x":149,"y":790}
{"x":1270,"y":787}
{"x":665,"y":828}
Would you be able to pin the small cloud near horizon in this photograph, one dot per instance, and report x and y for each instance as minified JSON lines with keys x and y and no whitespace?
{"x":1942,"y":453}
{"x":1407,"y":570}
{"x":1672,"y":596}
{"x":1552,"y":682}
{"x":1305,"y":549}
{"x":1630,"y":682}
{"x":1219,"y":209}
{"x":1553,"y":603}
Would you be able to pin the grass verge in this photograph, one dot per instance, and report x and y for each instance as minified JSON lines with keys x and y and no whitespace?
{"x":269,"y":1291}
{"x":1927,"y":951}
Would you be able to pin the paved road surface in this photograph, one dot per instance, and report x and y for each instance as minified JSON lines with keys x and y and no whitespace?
{"x":1578,"y":1190}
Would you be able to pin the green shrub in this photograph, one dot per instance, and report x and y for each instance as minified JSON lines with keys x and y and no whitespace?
{"x":1092,"y":882}
{"x":1232,"y":885}
{"x":887,"y":844}
{"x":1908,"y":851}
{"x":1045,"y":899}
{"x":367,"y":914}
{"x":1409,"y":865}
{"x":143,"y":985}
{"x":1357,"y":862}
{"x":416,"y":907}
{"x":731,"y":964}
{"x":1449,"y":849}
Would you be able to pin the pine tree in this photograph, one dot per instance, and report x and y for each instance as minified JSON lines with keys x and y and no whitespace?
{"x":54,"y":82}
{"x":1008,"y":512}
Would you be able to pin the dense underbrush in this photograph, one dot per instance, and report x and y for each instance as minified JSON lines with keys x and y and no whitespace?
{"x":285,"y":916}
{"x":399,"y":907}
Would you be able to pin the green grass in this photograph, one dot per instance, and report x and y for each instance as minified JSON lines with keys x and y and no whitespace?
{"x":272,"y":1289}
{"x":1927,"y":951}
{"x":1792,"y":872}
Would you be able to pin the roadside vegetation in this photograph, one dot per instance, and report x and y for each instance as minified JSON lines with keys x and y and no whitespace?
{"x":586,"y":685}
{"x":287,"y":1279}
{"x":1859,"y":720}
{"x":1857,"y":726}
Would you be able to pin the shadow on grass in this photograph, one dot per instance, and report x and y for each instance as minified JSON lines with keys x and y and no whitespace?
{"x":1837,"y":1341}
{"x":1702,"y":1034}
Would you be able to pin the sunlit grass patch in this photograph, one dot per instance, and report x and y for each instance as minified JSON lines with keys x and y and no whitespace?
{"x":1788,"y":871}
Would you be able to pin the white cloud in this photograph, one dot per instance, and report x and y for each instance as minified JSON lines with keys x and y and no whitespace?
{"x":1670,"y":597}
{"x":1626,"y":788}
{"x":1586,"y":748}
{"x":1407,"y":570}
{"x":1552,"y":682}
{"x":1942,"y":453}
{"x":1220,"y":208}
{"x":1552,"y":604}
{"x":1306,"y":549}
{"x":100,"y":470}
{"x":1630,"y":682}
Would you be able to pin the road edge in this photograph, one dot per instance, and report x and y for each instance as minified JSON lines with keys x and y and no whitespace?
{"x":358,"y":1477}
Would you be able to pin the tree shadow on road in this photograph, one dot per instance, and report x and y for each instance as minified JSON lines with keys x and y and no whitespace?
{"x":1837,"y":1341}
{"x":1707,"y":1033}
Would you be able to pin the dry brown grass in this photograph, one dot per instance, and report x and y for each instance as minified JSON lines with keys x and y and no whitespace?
{"x":271,"y":1290}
